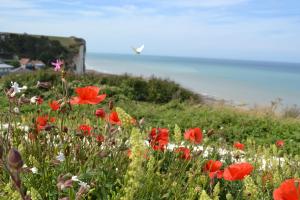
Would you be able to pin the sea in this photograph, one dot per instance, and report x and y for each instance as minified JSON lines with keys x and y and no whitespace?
{"x":240,"y":82}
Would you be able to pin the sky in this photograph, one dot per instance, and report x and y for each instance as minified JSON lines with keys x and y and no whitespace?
{"x":234,"y":29}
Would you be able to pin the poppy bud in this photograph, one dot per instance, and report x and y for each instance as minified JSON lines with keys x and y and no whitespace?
{"x":65,"y":129}
{"x":210,"y":132}
{"x":100,"y":113}
{"x":48,"y":127}
{"x":111,"y":104}
{"x":14,"y":159}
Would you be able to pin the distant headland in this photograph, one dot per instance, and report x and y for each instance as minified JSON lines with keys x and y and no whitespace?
{"x":20,"y":52}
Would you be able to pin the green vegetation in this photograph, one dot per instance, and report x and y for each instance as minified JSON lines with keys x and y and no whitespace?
{"x":163,"y":103}
{"x":42,"y":48}
{"x":111,"y":161}
{"x":14,"y":63}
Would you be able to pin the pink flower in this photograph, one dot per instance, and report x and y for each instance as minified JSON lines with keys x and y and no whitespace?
{"x":57,"y":64}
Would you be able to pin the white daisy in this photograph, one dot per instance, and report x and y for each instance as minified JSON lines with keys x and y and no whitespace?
{"x":60,"y":157}
{"x":34,"y":170}
{"x":75,"y":179}
{"x":33,"y":99}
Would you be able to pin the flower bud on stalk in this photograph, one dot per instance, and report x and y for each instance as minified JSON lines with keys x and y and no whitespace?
{"x":111,"y":104}
{"x":14,"y":160}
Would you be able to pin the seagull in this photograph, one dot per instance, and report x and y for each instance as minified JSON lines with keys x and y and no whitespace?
{"x":138,"y":50}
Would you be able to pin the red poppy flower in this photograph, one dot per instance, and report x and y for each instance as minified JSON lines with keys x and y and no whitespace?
{"x":185,"y":153}
{"x":42,"y":121}
{"x":213,"y":167}
{"x":114,"y":118}
{"x":39,"y":100}
{"x":217,"y":174}
{"x":100,"y":138}
{"x":237,"y":171}
{"x":100,"y":113}
{"x":159,"y":138}
{"x":85,"y":129}
{"x":194,"y":135}
{"x":54,"y":105}
{"x":239,"y":146}
{"x":288,"y":190}
{"x":129,"y":152}
{"x":279,"y":143}
{"x":88,"y":95}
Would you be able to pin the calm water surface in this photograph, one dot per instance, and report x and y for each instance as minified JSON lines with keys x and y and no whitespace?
{"x":247,"y":82}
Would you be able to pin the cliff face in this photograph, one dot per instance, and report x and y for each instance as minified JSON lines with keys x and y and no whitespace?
{"x":79,"y":59}
{"x":44,"y":48}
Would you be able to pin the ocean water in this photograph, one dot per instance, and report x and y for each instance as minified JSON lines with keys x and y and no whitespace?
{"x":242,"y":82}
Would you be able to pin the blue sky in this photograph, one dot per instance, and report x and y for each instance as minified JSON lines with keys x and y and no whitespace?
{"x":236,"y":29}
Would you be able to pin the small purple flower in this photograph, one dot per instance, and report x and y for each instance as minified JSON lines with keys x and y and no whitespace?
{"x":57,"y":64}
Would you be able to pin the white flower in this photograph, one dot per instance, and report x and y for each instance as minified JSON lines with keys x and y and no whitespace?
{"x":24,"y":166}
{"x":204,"y":131}
{"x":222,"y":152}
{"x":4,"y":126}
{"x":24,"y":128}
{"x":171,"y":147}
{"x":33,"y":99}
{"x":221,"y":128}
{"x":83,"y":184}
{"x":16,"y":88}
{"x":75,"y":179}
{"x":146,"y":142}
{"x":60,"y":157}
{"x":16,"y":110}
{"x":198,"y":148}
{"x":34,"y":170}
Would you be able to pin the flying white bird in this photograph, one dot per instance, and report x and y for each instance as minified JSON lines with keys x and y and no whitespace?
{"x":138,"y":50}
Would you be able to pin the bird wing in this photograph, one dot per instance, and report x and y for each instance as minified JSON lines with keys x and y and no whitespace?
{"x":140,"y":49}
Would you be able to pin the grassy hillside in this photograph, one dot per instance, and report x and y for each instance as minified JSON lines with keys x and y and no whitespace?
{"x":87,"y":151}
{"x":164,"y":103}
